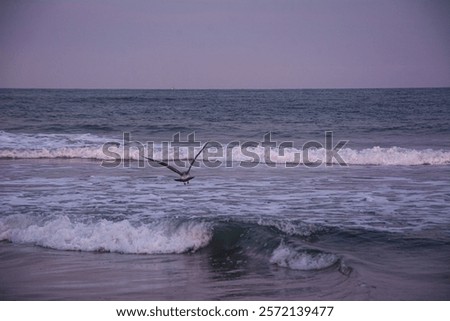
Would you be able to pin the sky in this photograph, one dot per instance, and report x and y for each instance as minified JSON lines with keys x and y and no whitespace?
{"x":224,"y":44}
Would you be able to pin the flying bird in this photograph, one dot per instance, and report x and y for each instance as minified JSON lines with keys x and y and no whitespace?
{"x":184,"y":175}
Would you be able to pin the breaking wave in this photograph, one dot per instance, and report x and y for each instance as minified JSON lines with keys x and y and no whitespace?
{"x":87,"y":146}
{"x":62,"y":233}
{"x":222,"y":240}
{"x":286,"y":256}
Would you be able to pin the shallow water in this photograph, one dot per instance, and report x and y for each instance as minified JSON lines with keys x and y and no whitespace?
{"x":231,"y":234}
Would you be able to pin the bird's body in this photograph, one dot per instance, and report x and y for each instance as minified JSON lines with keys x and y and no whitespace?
{"x":185,"y":177}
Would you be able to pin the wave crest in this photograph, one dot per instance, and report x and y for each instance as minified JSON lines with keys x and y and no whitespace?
{"x":62,"y":233}
{"x":306,"y":260}
{"x":87,"y":146}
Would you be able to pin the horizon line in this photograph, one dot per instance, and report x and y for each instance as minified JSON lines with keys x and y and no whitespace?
{"x":224,"y":89}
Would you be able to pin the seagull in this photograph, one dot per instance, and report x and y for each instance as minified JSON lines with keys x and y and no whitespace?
{"x":184,"y":176}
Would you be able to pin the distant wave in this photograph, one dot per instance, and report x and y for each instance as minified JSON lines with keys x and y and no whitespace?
{"x":87,"y":146}
{"x":395,"y":156}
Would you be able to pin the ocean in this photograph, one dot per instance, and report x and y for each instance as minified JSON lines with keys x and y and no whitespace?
{"x":299,"y":194}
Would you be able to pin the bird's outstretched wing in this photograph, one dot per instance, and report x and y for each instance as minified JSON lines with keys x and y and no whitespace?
{"x":192,"y":161}
{"x":173,"y":169}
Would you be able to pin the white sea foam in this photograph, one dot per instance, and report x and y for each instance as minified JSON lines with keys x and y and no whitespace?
{"x":88,"y":146}
{"x":286,"y":256}
{"x":122,"y":237}
{"x":395,"y":156}
{"x":51,"y":146}
{"x":292,"y":228}
{"x":37,"y":141}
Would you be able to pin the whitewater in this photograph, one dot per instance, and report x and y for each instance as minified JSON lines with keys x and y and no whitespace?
{"x":87,"y":146}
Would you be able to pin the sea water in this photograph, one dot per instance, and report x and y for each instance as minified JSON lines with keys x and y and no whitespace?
{"x":371,"y":224}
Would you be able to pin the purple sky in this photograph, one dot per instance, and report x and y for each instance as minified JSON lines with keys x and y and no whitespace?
{"x":224,"y":43}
